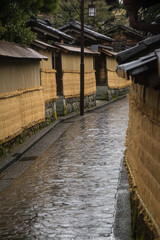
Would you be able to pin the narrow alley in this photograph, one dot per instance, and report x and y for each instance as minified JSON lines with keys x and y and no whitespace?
{"x":70,"y":191}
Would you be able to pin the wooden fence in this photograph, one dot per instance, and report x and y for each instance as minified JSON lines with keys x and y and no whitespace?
{"x":48,"y":82}
{"x":114,"y":81}
{"x":143,"y":151}
{"x":71,"y":83}
{"x":20,"y":110}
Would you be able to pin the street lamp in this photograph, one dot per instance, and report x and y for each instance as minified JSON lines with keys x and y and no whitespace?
{"x":91,"y":10}
{"x":91,"y":13}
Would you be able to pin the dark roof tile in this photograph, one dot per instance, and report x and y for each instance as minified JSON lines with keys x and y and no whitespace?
{"x":137,"y":67}
{"x":46,"y":27}
{"x":140,"y":49}
{"x":127,"y":29}
{"x":87,"y":29}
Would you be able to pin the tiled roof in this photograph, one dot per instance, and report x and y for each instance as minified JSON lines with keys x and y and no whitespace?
{"x":144,"y":71}
{"x":46,"y":28}
{"x":137,"y":67}
{"x":140,"y":49}
{"x":87,"y":29}
{"x":127,"y":29}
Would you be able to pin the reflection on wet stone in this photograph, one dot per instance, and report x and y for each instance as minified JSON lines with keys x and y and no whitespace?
{"x":70,"y":191}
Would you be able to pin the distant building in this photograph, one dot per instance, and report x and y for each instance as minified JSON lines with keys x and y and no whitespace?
{"x":64,"y":66}
{"x":109,"y":85}
{"x":73,"y":28}
{"x":99,"y":43}
{"x":68,"y":60}
{"x":124,"y":37}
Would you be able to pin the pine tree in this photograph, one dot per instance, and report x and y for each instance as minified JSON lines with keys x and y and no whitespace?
{"x":14,"y":15}
{"x":68,"y":9}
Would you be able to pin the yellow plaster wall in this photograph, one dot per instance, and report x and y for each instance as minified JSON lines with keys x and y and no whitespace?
{"x":72,"y":62}
{"x":15,"y":75}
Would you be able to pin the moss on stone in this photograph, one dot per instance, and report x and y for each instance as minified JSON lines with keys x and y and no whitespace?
{"x":140,"y":230}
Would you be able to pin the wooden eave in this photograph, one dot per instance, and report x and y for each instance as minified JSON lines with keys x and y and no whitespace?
{"x":75,"y":50}
{"x":46,"y":32}
{"x":74,"y":25}
{"x":43,"y":45}
{"x":110,"y":54}
{"x":126,"y":31}
{"x":144,"y":70}
{"x":79,"y":32}
{"x":46,"y":28}
{"x":143,"y":48}
{"x":17,"y":51}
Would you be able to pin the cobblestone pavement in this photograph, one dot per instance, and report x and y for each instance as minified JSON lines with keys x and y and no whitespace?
{"x":69,"y":192}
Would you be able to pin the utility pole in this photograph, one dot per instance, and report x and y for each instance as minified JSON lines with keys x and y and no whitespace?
{"x":91,"y":13}
{"x":82,"y":61}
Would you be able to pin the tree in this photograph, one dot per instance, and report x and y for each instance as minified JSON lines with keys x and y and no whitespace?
{"x":71,"y":9}
{"x":102,"y":18}
{"x":120,"y":14}
{"x":148,"y":15}
{"x":105,"y":15}
{"x":14,"y":26}
{"x":14,"y":15}
{"x":66,"y":10}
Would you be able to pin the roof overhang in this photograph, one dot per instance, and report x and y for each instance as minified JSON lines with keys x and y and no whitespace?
{"x":43,"y":45}
{"x":143,"y":71}
{"x":88,"y":32}
{"x":15,"y":51}
{"x":126,"y":30}
{"x":75,"y":49}
{"x":107,"y":52}
{"x":143,"y":47}
{"x":157,"y":52}
{"x":43,"y":27}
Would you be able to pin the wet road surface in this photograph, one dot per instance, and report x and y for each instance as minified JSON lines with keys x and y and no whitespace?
{"x":70,"y":191}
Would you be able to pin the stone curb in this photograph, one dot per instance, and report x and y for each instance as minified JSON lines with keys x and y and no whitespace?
{"x":33,"y":140}
{"x":122,"y":224}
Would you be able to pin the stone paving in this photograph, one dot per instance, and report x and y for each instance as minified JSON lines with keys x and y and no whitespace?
{"x":70,"y":191}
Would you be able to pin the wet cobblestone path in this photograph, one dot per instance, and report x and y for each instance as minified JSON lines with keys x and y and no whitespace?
{"x":69,"y":192}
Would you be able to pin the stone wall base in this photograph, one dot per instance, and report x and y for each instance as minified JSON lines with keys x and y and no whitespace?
{"x":69,"y":105}
{"x":8,"y":147}
{"x":50,"y":112}
{"x":102,"y":93}
{"x":105,"y":93}
{"x":114,"y":93}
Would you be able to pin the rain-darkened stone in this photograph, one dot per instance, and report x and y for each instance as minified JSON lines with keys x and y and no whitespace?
{"x":70,"y":191}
